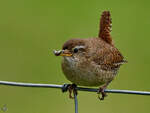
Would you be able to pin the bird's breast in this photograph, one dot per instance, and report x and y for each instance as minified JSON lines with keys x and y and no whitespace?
{"x":85,"y":73}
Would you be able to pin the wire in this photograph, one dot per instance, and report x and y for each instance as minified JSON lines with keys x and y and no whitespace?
{"x":76,"y":103}
{"x":20,"y":84}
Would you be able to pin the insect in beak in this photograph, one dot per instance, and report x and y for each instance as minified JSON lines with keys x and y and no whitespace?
{"x":62,"y":53}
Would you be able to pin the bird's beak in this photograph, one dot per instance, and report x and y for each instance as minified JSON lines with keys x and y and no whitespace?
{"x":62,"y":53}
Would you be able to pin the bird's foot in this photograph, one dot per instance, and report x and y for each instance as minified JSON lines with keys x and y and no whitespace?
{"x":102,"y":91}
{"x":71,"y":88}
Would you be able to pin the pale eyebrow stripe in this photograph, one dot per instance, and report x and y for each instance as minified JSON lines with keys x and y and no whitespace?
{"x":79,"y":47}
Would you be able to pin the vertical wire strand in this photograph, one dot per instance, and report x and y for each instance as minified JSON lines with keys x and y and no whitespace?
{"x":76,"y":103}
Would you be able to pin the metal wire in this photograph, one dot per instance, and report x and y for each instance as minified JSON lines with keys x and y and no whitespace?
{"x":20,"y":84}
{"x":76,"y":103}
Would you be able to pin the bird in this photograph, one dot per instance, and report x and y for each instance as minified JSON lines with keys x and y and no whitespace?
{"x":92,"y":62}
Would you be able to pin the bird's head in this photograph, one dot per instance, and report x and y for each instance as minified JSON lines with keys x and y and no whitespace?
{"x":74,"y":48}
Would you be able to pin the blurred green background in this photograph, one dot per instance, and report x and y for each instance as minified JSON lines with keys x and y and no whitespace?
{"x":31,"y":29}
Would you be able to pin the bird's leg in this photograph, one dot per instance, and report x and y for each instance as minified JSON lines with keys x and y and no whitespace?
{"x":71,"y":88}
{"x":102,"y":91}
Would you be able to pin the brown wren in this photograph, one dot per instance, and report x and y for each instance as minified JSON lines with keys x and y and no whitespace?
{"x":92,"y":61}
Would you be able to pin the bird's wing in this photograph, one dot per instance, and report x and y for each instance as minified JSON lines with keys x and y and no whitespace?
{"x":109,"y":59}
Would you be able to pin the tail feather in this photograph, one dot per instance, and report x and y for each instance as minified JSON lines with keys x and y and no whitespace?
{"x":105,"y":27}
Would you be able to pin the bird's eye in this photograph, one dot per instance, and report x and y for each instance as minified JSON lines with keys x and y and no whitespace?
{"x":75,"y":50}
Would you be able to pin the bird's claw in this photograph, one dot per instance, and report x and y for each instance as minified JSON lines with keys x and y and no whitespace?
{"x":71,"y":88}
{"x":102,"y":91}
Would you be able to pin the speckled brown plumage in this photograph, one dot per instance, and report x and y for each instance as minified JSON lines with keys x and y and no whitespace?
{"x":92,"y":61}
{"x":105,"y":27}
